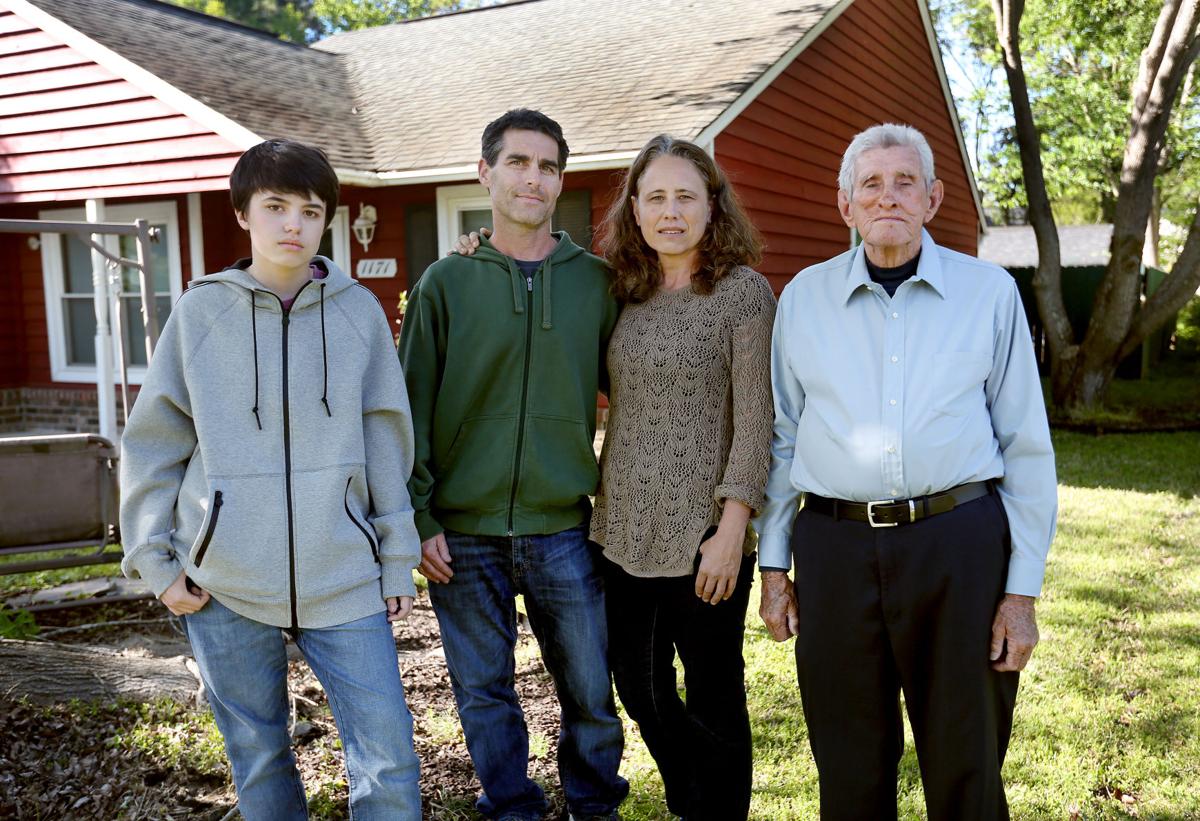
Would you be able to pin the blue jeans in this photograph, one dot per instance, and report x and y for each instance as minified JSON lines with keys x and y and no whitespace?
{"x":564,"y":597}
{"x":244,"y":666}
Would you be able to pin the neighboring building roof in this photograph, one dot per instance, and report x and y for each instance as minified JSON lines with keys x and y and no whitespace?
{"x":612,"y":72}
{"x":1014,"y":246}
{"x":271,"y":87}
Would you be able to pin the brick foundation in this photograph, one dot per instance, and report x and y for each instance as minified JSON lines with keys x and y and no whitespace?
{"x":53,"y":410}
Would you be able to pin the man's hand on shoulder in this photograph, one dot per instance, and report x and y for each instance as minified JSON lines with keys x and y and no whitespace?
{"x":435,"y":559}
{"x":184,"y":596}
{"x":1014,"y":633}
{"x":777,"y":605}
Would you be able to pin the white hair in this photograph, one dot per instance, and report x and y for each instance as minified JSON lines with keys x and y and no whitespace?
{"x":888,"y":135}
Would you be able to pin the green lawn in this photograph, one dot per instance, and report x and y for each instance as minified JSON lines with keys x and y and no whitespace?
{"x":1108,"y":717}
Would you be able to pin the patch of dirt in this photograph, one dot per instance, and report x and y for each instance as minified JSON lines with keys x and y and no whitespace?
{"x":68,"y":761}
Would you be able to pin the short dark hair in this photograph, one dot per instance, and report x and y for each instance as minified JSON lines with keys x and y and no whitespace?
{"x":287,"y":167}
{"x":523,"y":119}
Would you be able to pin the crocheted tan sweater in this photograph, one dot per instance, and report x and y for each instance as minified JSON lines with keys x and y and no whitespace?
{"x":689,"y":424}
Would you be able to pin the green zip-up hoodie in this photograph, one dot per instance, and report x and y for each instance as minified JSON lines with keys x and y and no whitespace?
{"x":502,"y":373}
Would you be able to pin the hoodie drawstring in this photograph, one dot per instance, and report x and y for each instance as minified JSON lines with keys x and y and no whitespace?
{"x":518,"y":286}
{"x":324,"y":358}
{"x":254,"y":335}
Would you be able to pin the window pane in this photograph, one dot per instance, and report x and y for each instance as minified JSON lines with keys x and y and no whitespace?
{"x":80,"y":316}
{"x":77,"y":259}
{"x":573,"y":214}
{"x":159,"y":265}
{"x":325,"y":249}
{"x":420,"y":239}
{"x":472,"y":220}
{"x":135,"y":329}
{"x":131,"y":324}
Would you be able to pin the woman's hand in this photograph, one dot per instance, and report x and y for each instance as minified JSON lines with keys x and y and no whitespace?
{"x":721,"y":559}
{"x":183,"y":599}
{"x":721,"y":555}
{"x":468,"y":244}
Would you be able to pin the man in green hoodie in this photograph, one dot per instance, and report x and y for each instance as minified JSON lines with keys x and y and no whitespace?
{"x":503,"y":352}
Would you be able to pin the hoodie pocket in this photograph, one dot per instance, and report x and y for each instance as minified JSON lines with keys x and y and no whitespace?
{"x":558,"y":467}
{"x":476,"y":474}
{"x":361,"y":528}
{"x":331,"y":531}
{"x":210,"y":528}
{"x":240,"y":546}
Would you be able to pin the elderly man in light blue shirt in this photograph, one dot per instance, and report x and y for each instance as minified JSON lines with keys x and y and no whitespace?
{"x":909,"y":419}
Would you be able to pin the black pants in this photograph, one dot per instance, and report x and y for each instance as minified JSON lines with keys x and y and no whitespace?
{"x":702,"y":748}
{"x":910,"y":608}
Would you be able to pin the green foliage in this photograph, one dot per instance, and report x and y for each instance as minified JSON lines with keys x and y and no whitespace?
{"x":16,"y":624}
{"x":170,"y":734}
{"x":290,"y":19}
{"x":1187,"y":329}
{"x":304,"y":21}
{"x":1081,"y":60}
{"x":333,"y":16}
{"x":11,"y":584}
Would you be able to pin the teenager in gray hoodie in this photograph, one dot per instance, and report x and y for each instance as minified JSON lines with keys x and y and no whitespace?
{"x":263,"y":477}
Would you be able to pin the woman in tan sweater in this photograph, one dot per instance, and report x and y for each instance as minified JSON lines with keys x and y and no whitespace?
{"x":683,"y":468}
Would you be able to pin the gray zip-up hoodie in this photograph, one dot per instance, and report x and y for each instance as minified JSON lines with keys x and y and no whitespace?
{"x":268,"y":453}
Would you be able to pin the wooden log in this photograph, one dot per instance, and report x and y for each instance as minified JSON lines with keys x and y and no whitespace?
{"x":49,"y":673}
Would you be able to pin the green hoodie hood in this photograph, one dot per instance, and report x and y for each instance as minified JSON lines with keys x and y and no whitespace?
{"x":503,"y":370}
{"x":564,"y":251}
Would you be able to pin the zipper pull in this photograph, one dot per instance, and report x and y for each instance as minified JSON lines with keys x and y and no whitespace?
{"x":529,"y":283}
{"x":217,"y":499}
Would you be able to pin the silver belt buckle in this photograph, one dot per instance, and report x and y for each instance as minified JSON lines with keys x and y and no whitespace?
{"x":871,"y":513}
{"x":912,"y":513}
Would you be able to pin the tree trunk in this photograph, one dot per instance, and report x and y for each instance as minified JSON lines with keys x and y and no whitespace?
{"x":1080,"y":374}
{"x":54,"y":673}
{"x":1047,"y":280}
{"x":1111,"y":330}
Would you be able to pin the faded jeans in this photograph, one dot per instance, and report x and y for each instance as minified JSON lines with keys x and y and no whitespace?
{"x":244,"y":666}
{"x":564,"y":597}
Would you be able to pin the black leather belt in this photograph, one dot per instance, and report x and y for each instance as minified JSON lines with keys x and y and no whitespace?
{"x":892,"y":512}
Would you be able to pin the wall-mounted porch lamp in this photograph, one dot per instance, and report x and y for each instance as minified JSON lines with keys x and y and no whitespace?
{"x":364,"y":225}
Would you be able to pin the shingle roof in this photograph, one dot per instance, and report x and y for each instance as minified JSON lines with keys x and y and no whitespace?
{"x":273,"y":88}
{"x":1014,"y":246}
{"x":612,"y":72}
{"x":417,"y":95}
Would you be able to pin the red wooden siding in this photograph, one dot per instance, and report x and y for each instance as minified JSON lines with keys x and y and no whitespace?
{"x":70,"y":129}
{"x":871,"y":65}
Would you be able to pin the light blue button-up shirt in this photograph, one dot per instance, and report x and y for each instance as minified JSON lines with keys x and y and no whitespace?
{"x":894,"y":398}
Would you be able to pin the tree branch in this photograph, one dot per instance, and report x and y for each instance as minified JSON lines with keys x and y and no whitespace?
{"x":1178,"y":287}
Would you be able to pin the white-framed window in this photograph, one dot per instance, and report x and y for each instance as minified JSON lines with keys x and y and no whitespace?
{"x":67,"y":285}
{"x":465,"y":208}
{"x":460,"y":210}
{"x":335,"y":243}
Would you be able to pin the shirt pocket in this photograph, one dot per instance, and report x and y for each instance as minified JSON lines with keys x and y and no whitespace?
{"x":958,"y":382}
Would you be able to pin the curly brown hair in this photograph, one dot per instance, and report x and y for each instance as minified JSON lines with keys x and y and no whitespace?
{"x":729,"y":241}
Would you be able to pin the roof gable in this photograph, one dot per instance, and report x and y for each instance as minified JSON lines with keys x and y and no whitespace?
{"x":268,"y":87}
